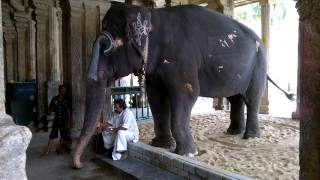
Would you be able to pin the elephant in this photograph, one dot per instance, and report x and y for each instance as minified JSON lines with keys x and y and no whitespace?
{"x":184,"y":52}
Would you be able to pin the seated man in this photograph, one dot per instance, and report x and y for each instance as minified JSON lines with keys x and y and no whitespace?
{"x":121,"y":128}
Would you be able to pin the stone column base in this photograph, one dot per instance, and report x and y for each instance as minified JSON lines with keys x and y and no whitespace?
{"x":14,"y":141}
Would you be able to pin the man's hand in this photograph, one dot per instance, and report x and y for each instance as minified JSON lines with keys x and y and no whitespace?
{"x":103,"y":126}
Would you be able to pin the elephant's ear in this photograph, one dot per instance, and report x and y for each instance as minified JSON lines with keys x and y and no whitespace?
{"x":138,"y":27}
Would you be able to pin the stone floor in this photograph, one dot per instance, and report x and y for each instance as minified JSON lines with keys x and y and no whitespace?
{"x":54,"y":166}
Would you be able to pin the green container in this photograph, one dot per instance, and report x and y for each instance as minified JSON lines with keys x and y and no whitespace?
{"x":22,"y":112}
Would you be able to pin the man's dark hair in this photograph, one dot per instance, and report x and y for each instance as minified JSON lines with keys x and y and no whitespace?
{"x":63,"y":86}
{"x":121,"y":103}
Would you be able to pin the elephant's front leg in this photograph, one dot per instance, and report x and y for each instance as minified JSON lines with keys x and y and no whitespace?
{"x":160,"y":107}
{"x":181,"y":105}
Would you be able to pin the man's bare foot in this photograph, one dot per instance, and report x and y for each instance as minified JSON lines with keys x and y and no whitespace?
{"x":46,"y":153}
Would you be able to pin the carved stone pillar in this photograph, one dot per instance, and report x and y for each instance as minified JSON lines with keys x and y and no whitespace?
{"x":55,"y":67}
{"x":60,"y":47}
{"x":265,"y":21}
{"x":31,"y":69}
{"x":10,"y":48}
{"x":76,"y":58}
{"x":309,"y":86}
{"x":228,"y":6}
{"x":22,"y":29}
{"x":2,"y":92}
{"x":42,"y":56}
{"x":10,"y":56}
{"x":25,"y":28}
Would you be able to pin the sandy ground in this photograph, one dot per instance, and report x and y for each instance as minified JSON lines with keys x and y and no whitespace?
{"x":273,"y":156}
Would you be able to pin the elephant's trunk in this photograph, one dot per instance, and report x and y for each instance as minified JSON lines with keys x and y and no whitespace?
{"x":95,"y":98}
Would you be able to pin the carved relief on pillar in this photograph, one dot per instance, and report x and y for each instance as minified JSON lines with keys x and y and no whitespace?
{"x":10,"y":45}
{"x":42,"y":54}
{"x":54,"y":38}
{"x":23,"y":25}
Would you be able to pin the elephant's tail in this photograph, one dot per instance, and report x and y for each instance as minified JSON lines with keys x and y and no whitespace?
{"x":289,"y":96}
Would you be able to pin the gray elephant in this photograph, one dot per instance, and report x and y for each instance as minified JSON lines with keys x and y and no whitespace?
{"x":185,"y":52}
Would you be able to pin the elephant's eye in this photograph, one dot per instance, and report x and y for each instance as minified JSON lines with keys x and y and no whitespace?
{"x":104,"y":25}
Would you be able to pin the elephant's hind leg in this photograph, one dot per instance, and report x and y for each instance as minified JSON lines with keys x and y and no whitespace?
{"x":237,"y":123}
{"x":160,"y":107}
{"x":253,"y":98}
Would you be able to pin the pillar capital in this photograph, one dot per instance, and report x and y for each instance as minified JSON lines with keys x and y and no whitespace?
{"x":306,"y":8}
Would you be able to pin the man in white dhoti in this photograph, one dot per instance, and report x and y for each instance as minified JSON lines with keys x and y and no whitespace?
{"x":120,"y":129}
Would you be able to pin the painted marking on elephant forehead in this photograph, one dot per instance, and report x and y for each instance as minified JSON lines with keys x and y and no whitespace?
{"x":220,"y":68}
{"x":189,"y":87}
{"x":166,"y":62}
{"x":140,"y":29}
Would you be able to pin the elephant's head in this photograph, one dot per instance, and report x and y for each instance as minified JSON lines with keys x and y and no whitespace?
{"x":124,"y":38}
{"x":119,"y":50}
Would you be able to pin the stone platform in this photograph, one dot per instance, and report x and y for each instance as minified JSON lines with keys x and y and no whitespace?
{"x":148,"y":162}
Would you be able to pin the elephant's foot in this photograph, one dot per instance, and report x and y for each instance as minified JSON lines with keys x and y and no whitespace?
{"x":167,"y":143}
{"x":188,"y":151}
{"x":235,"y":131}
{"x":248,"y":135}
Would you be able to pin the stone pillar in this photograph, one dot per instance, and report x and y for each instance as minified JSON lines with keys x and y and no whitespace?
{"x":32,"y":69}
{"x":42,"y":56}
{"x":55,"y":67}
{"x":22,"y":30}
{"x":13,"y":139}
{"x":309,"y":86}
{"x":76,"y":58}
{"x":228,"y":6}
{"x":265,"y":22}
{"x":60,"y":47}
{"x":10,"y":38}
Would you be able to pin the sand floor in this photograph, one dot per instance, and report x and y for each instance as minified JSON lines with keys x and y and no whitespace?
{"x":273,"y":156}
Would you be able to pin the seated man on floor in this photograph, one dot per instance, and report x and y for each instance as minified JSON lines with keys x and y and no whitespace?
{"x":120,"y":129}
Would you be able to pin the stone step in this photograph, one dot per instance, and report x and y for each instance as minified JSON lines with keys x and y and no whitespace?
{"x":137,"y":169}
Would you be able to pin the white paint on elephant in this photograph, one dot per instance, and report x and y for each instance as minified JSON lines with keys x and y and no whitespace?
{"x":140,"y":29}
{"x":231,"y":37}
{"x":220,"y":68}
{"x":166,"y":62}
